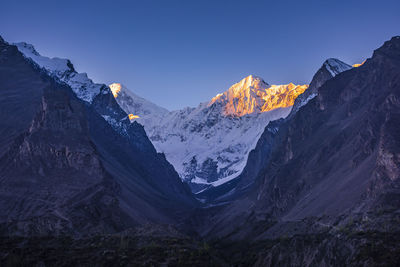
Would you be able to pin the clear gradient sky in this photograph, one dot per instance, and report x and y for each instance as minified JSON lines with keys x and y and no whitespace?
{"x":181,"y":53}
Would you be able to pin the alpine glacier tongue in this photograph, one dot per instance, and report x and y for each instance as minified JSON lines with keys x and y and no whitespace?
{"x":208,"y":145}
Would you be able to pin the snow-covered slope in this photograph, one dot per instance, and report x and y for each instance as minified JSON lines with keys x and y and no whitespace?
{"x":140,"y":109}
{"x":63,"y":69}
{"x":335,"y":66}
{"x":94,"y":94}
{"x":208,"y":145}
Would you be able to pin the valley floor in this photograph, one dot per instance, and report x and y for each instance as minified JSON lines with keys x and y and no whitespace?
{"x":346,"y":248}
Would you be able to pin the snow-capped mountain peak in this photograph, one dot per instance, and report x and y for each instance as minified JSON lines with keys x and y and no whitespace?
{"x":330,"y":68}
{"x":253,"y":95}
{"x":335,"y":66}
{"x":251,"y":81}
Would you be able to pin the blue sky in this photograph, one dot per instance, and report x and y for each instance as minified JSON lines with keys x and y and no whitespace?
{"x":181,"y":53}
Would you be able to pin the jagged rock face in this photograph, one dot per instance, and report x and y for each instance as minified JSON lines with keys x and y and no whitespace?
{"x":339,"y":153}
{"x":56,"y":117}
{"x":65,"y":169}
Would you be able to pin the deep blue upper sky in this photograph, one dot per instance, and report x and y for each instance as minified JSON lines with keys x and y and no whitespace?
{"x":180,"y":53}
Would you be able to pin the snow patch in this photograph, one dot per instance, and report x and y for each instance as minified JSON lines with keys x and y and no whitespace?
{"x":335,"y":66}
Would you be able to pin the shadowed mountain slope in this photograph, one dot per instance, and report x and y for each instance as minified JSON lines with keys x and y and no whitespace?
{"x":337,"y":156}
{"x":65,"y":169}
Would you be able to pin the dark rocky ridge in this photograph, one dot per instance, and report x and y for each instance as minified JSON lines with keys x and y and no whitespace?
{"x":338,"y":156}
{"x":65,"y":170}
{"x":329,"y":69}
